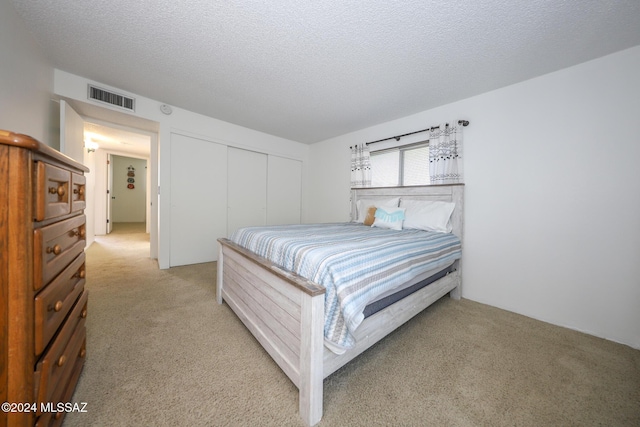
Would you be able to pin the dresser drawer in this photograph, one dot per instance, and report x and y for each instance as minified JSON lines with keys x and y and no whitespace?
{"x":56,"y":367}
{"x":52,"y":189}
{"x":53,"y":303}
{"x":54,"y":419}
{"x":55,"y":246}
{"x":77,"y":192}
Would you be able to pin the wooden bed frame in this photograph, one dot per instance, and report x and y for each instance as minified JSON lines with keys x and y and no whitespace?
{"x":285,"y":312}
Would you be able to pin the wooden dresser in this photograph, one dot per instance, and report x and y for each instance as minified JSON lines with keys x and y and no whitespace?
{"x":43,"y":304}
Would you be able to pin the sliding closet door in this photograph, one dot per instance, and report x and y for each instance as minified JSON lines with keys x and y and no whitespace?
{"x":198,"y":199}
{"x":247,"y":189}
{"x":284,"y":189}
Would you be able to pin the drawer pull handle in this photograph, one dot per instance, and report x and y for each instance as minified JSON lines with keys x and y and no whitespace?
{"x":58,"y":306}
{"x":83,"y":353}
{"x":80,"y":274}
{"x":79,"y":191}
{"x":60,"y":191}
{"x":84,"y":314}
{"x":79,"y":232}
{"x":56,"y":249}
{"x":61,"y":360}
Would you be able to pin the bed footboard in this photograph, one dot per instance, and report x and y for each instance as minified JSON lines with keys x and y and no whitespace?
{"x":381,"y":324}
{"x":284,"y":312}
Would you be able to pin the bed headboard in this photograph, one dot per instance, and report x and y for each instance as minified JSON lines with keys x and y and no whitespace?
{"x":447,"y":193}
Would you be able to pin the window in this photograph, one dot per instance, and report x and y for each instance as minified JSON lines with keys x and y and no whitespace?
{"x":408,"y":165}
{"x":385,"y":167}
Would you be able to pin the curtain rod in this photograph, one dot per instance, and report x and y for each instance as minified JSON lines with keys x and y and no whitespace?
{"x":397,"y":137}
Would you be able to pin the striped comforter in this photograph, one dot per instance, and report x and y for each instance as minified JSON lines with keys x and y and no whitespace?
{"x":355,"y":264}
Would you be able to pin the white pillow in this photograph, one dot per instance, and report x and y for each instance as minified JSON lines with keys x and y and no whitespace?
{"x":389,"y":218}
{"x":363,"y":206}
{"x":428,"y":215}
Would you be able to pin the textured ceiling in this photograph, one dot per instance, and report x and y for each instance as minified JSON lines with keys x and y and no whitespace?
{"x":310,"y":70}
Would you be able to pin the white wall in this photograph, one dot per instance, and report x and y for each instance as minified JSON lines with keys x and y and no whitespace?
{"x":26,"y":82}
{"x":186,"y":123}
{"x":552,"y":195}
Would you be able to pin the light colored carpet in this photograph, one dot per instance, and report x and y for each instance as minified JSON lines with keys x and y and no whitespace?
{"x":162,"y":352}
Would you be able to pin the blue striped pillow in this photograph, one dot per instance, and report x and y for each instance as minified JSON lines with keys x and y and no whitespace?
{"x":389,"y":218}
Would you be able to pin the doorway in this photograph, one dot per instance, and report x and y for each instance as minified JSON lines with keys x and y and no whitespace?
{"x":121,"y":198}
{"x":127,"y":193}
{"x":90,"y":134}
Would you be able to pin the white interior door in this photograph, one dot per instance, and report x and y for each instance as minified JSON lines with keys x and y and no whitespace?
{"x":247,"y":189}
{"x":198,"y":199}
{"x":71,"y":132}
{"x":110,"y":195}
{"x":72,"y":144}
{"x":284,"y":191}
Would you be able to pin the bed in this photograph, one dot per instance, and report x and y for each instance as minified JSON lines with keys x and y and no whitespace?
{"x":286,"y":311}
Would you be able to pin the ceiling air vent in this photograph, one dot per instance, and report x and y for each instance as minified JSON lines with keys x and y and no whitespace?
{"x":111,"y":98}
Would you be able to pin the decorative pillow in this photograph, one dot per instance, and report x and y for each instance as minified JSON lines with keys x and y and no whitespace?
{"x":389,"y":218}
{"x":428,"y":215}
{"x":363,"y":206}
{"x":370,"y":216}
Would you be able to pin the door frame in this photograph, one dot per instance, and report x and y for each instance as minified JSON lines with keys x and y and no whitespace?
{"x":109,"y":213}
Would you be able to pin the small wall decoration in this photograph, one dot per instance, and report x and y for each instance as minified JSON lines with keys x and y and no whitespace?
{"x":131,"y":172}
